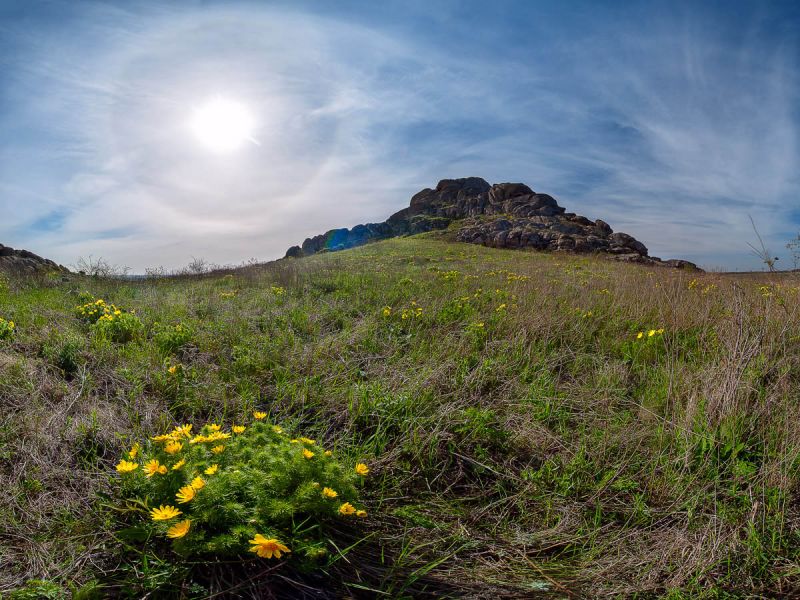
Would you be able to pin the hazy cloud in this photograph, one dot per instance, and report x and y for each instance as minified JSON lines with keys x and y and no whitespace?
{"x":671,"y":126}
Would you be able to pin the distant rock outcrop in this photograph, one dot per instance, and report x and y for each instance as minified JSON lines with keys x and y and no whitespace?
{"x":23,"y":261}
{"x":504,"y":215}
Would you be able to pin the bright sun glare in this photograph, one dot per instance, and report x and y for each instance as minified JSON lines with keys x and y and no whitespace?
{"x":222,"y":125}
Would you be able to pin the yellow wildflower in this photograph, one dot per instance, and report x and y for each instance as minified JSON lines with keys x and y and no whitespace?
{"x":277,"y":429}
{"x":164,"y":513}
{"x":166,"y":437}
{"x":267,"y":547}
{"x":173,"y":447}
{"x":347,"y":509}
{"x":214,"y":427}
{"x":308,"y":441}
{"x":173,"y":369}
{"x":387,"y":311}
{"x":198,"y":483}
{"x":179,"y":464}
{"x":328,"y":453}
{"x":259,"y":415}
{"x":134,"y":451}
{"x":211,"y":470}
{"x":237,"y":428}
{"x":179,"y":529}
{"x":329,"y":493}
{"x":183,"y":430}
{"x":126,"y":466}
{"x":640,"y":335}
{"x":217,"y":435}
{"x":154,"y":467}
{"x":651,"y":333}
{"x":361,"y":513}
{"x":362,"y":469}
{"x":198,"y":439}
{"x":218,"y":449}
{"x":308,"y":453}
{"x":185,"y":494}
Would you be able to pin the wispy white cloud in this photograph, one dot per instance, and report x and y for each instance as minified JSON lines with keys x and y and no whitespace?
{"x":668,"y":130}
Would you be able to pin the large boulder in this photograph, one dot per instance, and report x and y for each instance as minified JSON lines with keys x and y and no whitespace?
{"x":503,"y":215}
{"x":25,"y":262}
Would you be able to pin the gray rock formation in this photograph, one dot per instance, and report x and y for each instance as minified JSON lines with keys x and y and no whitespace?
{"x":504,"y":215}
{"x":23,"y":261}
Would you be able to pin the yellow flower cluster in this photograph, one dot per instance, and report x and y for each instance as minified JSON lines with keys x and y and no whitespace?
{"x":348,"y":509}
{"x":708,"y":289}
{"x":167,"y":513}
{"x":650,"y":333}
{"x":98,"y":310}
{"x":7,"y":329}
{"x":180,"y":440}
{"x":412,"y":312}
{"x":449,"y":275}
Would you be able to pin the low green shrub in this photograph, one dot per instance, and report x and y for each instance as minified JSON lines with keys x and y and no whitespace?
{"x":64,"y":352}
{"x":120,"y":327}
{"x":171,"y":338}
{"x":223,"y":493}
{"x":109,"y":321}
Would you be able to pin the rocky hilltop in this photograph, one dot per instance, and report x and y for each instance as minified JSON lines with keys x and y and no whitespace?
{"x":503,"y":215}
{"x":23,"y":261}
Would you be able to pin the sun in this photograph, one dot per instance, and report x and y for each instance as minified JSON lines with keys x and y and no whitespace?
{"x":222,"y":125}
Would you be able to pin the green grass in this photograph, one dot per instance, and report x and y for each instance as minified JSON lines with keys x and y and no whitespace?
{"x":521,"y":439}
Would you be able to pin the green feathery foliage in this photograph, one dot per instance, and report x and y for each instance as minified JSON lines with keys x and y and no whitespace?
{"x":215,"y":492}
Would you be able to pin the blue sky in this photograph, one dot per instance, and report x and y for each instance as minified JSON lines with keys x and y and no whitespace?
{"x":672,"y":121}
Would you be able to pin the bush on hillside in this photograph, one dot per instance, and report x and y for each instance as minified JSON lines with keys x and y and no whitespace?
{"x":108,"y":320}
{"x":222,"y":493}
{"x":171,"y":338}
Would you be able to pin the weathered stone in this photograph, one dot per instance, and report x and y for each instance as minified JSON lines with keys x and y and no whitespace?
{"x":603,"y":228}
{"x":526,"y":220}
{"x":24,"y":261}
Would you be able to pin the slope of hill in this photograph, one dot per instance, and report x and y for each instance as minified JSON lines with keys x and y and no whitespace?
{"x":504,"y":215}
{"x":23,"y":261}
{"x":535,"y":425}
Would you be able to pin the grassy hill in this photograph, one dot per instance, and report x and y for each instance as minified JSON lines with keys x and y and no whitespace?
{"x":534,"y":424}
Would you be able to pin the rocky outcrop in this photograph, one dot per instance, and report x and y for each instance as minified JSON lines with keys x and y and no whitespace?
{"x":23,"y":261}
{"x":504,"y":215}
